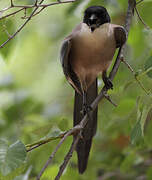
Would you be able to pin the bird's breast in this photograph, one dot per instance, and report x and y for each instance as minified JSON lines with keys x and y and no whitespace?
{"x":92,"y":52}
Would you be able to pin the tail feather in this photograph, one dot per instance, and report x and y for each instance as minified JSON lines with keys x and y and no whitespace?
{"x":84,"y":145}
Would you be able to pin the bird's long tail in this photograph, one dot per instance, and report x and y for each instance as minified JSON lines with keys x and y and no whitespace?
{"x":84,"y":145}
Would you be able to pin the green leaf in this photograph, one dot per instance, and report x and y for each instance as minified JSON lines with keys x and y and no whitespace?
{"x":11,"y":157}
{"x":145,"y":111}
{"x":143,"y":107}
{"x":148,"y":65}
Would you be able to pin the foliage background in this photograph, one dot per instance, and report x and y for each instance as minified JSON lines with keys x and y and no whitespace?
{"x":35,"y":98}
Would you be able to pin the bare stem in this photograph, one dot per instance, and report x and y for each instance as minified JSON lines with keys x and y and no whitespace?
{"x":36,"y":6}
{"x":136,"y":77}
{"x":11,"y":14}
{"x":67,"y":157}
{"x":75,"y":129}
{"x":36,"y":2}
{"x":140,"y":18}
{"x":12,"y":3}
{"x":139,"y":2}
{"x":109,"y":99}
{"x":20,"y":28}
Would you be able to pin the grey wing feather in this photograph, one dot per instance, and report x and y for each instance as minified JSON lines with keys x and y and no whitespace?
{"x":66,"y":65}
{"x":64,"y":55}
{"x":120,"y":36}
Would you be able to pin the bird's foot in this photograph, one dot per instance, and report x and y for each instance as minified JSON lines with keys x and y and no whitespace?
{"x":108,"y":83}
{"x":86,"y":109}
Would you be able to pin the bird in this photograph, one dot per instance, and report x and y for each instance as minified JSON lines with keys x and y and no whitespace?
{"x":86,"y":54}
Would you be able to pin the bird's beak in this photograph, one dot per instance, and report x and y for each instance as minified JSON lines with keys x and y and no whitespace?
{"x":93,"y":22}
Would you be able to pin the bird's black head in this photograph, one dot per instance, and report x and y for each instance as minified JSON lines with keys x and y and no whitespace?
{"x":95,"y":16}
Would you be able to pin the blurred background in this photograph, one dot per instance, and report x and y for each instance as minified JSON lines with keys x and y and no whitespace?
{"x":35,"y":98}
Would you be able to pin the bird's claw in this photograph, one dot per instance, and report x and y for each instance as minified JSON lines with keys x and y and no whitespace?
{"x":108,"y":84}
{"x":86,"y":109}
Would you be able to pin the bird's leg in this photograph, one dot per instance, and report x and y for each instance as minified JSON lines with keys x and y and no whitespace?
{"x":107,"y":81}
{"x":86,"y":108}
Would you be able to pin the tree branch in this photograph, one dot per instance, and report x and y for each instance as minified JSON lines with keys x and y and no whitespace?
{"x":70,"y":132}
{"x":67,"y":158}
{"x":139,"y":2}
{"x":30,"y":147}
{"x":21,"y":27}
{"x":109,"y":99}
{"x":78,"y":128}
{"x":135,"y":76}
{"x":11,"y":14}
{"x":12,"y":3}
{"x":140,"y":18}
{"x":36,"y":6}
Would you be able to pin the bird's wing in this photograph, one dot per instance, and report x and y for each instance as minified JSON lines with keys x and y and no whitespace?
{"x":120,"y":35}
{"x":65,"y":61}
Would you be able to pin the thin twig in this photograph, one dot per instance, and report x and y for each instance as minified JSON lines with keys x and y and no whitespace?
{"x":21,"y":27}
{"x":32,"y":146}
{"x":142,"y":86}
{"x":67,"y":157}
{"x":139,"y":2}
{"x":23,"y":7}
{"x":5,"y":30}
{"x":145,"y":72}
{"x":140,"y":18}
{"x":12,"y":3}
{"x":136,"y":76}
{"x":39,"y":5}
{"x":128,"y":65}
{"x":35,"y":13}
{"x":11,"y":14}
{"x":45,"y":5}
{"x":5,"y":9}
{"x":36,"y":2}
{"x":73,"y":130}
{"x":109,"y":99}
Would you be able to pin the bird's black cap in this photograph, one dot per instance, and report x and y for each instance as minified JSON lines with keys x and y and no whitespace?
{"x":94,"y":16}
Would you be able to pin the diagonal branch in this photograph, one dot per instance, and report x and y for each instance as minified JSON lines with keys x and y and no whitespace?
{"x":67,"y":158}
{"x":135,"y":76}
{"x":70,"y":132}
{"x":11,"y":14}
{"x":21,"y":27}
{"x":36,"y":6}
{"x":140,"y":18}
{"x":139,"y":2}
{"x":40,"y":5}
{"x":78,"y":128}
